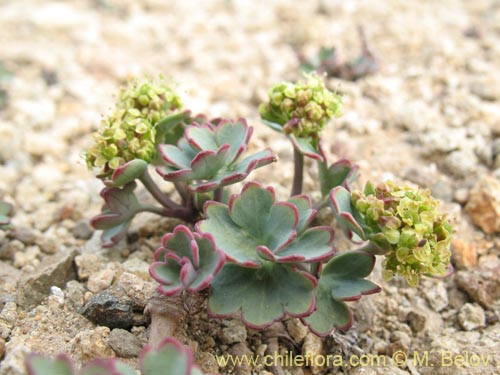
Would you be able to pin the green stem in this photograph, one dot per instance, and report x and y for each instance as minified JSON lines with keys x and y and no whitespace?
{"x":155,"y":191}
{"x":298,"y":176}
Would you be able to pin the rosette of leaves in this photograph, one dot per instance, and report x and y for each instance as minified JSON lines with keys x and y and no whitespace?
{"x":185,"y":261}
{"x":401,"y":222}
{"x":301,"y":111}
{"x":270,"y":247}
{"x":130,"y":131}
{"x":208,"y":156}
{"x":171,"y":357}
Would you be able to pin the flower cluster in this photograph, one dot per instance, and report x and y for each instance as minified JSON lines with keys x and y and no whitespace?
{"x":129,"y":132}
{"x":406,"y":221}
{"x":302,"y":109}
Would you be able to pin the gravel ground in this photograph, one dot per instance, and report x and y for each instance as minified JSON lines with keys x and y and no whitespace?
{"x":430,"y":116}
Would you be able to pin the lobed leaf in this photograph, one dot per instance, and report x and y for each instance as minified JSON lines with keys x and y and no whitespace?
{"x":262,"y":296}
{"x":342,"y":279}
{"x":342,"y":173}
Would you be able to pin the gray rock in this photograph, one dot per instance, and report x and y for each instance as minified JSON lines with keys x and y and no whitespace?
{"x":9,"y":249}
{"x":436,"y":296}
{"x":296,"y":329}
{"x":124,"y":343}
{"x":55,"y":270}
{"x":113,"y":308}
{"x":471,"y":316}
{"x":233,"y":332}
{"x":423,"y":320}
{"x":461,"y":163}
{"x":83,"y":230}
{"x":75,"y":292}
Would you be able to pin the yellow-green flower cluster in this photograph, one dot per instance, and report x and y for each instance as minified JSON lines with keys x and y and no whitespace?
{"x":406,"y":221}
{"x":304,"y":108}
{"x":129,"y":132}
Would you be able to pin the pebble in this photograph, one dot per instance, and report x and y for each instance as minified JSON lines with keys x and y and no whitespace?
{"x":471,"y":317}
{"x":482,"y":285}
{"x":207,"y":362}
{"x":55,"y":270}
{"x":29,"y":256}
{"x":423,"y":320}
{"x":9,"y":249}
{"x":296,"y":329}
{"x":464,"y":253}
{"x":437,"y":296}
{"x":75,"y":292}
{"x":83,"y":230}
{"x":483,"y":205}
{"x":461,"y":163}
{"x":114,"y":309}
{"x":233,"y":332}
{"x":92,"y":343}
{"x":86,"y":264}
{"x":313,"y":346}
{"x":137,"y":267}
{"x":98,"y":281}
{"x":139,"y":290}
{"x":124,"y":343}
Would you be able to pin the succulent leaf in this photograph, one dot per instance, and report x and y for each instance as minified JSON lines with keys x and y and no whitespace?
{"x":186,"y":261}
{"x":254,"y":229}
{"x":171,"y":357}
{"x":107,"y":366}
{"x":340,"y":202}
{"x":6,"y":210}
{"x":208,"y":156}
{"x":127,"y":173}
{"x":120,"y":207}
{"x":262,"y":296}
{"x":342,"y":173}
{"x":37,"y":364}
{"x":342,"y":279}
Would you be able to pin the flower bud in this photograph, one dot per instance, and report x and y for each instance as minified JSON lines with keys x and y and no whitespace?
{"x":405,"y":222}
{"x":129,"y":132}
{"x":310,"y":104}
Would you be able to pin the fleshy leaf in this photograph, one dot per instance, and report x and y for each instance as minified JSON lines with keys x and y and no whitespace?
{"x":330,"y":313}
{"x":5,"y":213}
{"x":107,"y":367}
{"x":341,"y":279}
{"x":254,"y":229}
{"x":341,"y":173}
{"x":262,"y":296}
{"x":37,"y":364}
{"x":120,"y":207}
{"x":127,"y":172}
{"x":171,"y":128}
{"x":171,"y":357}
{"x":340,"y":201}
{"x":304,"y":208}
{"x":186,"y":261}
{"x":344,"y":274}
{"x":208,"y":155}
{"x":305,"y":147}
